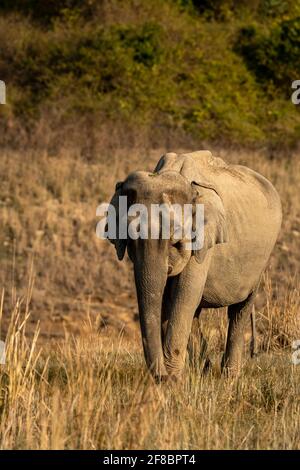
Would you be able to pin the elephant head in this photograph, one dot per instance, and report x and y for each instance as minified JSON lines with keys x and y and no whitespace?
{"x":156,"y":259}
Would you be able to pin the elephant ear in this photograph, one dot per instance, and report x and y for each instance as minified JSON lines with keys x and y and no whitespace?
{"x":215,"y":227}
{"x":169,"y":161}
{"x":120,"y":244}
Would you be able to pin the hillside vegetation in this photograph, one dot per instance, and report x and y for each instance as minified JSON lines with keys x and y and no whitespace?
{"x":217,"y":71}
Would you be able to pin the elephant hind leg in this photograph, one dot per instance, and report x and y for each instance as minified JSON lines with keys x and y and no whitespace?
{"x":197,"y":346}
{"x":239,"y":316}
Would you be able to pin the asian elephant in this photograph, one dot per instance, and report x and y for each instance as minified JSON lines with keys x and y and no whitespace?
{"x":242,"y":219}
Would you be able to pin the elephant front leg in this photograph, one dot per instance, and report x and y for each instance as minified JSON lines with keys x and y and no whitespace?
{"x":187,"y":291}
{"x":239,"y":315}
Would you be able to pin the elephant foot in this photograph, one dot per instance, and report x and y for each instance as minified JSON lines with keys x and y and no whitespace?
{"x":229,"y":372}
{"x":230,"y":367}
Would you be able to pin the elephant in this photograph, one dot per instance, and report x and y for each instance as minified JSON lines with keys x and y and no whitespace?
{"x":242,"y":220}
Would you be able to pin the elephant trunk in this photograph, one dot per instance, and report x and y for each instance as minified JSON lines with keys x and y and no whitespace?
{"x":150,"y":280}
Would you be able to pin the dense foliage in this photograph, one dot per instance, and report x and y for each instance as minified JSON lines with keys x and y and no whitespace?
{"x":213,"y":69}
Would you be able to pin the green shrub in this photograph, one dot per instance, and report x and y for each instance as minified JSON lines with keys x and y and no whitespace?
{"x":273,"y":56}
{"x":100,"y":62}
{"x":261,"y":10}
{"x":47,"y":11}
{"x":157,"y":66}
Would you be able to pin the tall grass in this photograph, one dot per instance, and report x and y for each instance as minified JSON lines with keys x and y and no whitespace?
{"x":85,"y":393}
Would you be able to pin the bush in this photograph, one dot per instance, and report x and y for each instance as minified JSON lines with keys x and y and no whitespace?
{"x":155,"y":65}
{"x":273,"y":56}
{"x":100,"y":62}
{"x":46,"y":12}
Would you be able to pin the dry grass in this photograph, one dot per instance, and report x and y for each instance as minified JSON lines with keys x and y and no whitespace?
{"x":82,"y":394}
{"x":75,"y":375}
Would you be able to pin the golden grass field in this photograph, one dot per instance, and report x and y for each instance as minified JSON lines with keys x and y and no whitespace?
{"x":75,"y":376}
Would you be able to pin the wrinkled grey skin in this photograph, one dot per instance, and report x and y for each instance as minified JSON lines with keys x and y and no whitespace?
{"x":242,"y":221}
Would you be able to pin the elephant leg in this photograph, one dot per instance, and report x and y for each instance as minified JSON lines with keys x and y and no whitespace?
{"x":187,"y":289}
{"x":197,"y":346}
{"x":239,"y":316}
